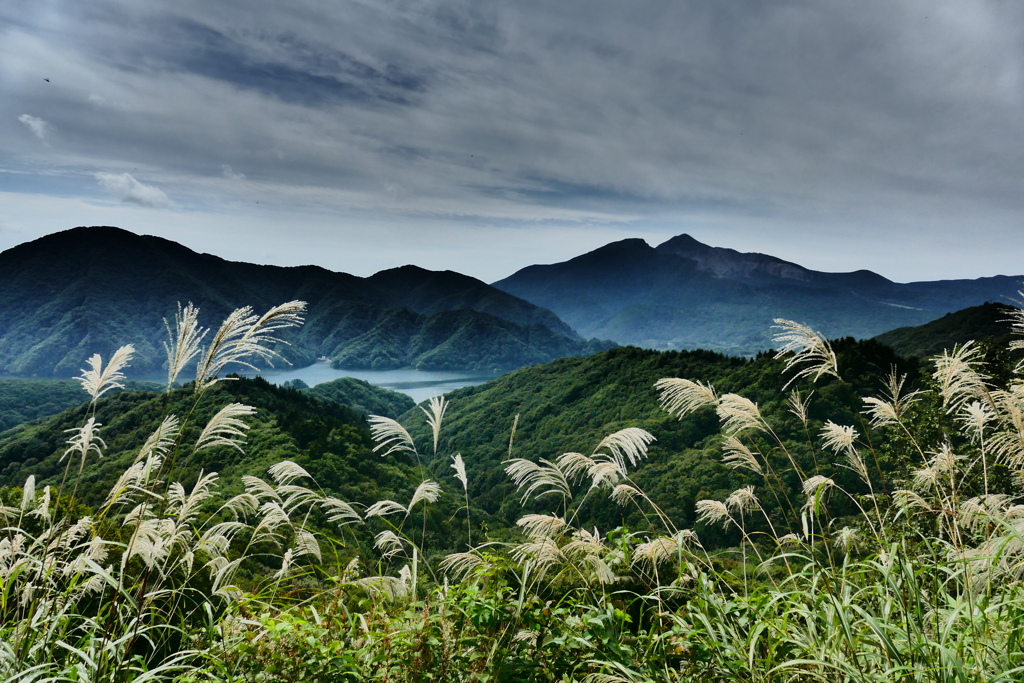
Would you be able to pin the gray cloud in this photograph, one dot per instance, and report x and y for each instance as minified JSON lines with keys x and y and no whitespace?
{"x":131,"y":191}
{"x":230,"y":173}
{"x":38,"y":126}
{"x":816,"y":127}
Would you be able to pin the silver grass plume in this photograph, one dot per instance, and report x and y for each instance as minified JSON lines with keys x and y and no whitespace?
{"x":840,"y":439}
{"x":798,"y":405}
{"x":815,"y":488}
{"x":260,"y":489}
{"x":286,"y":472}
{"x":98,"y":380}
{"x":530,"y":477}
{"x":738,"y":414}
{"x":679,"y":397}
{"x":623,"y":494}
{"x":663,"y":548}
{"x":161,"y":440}
{"x":388,"y":543}
{"x":542,"y":526}
{"x":543,"y":552}
{"x":295,"y":497}
{"x":28,"y":493}
{"x":888,"y":411}
{"x":244,"y":335}
{"x":85,"y":440}
{"x":712,"y":512}
{"x":389,"y":434}
{"x":906,"y":500}
{"x":626,"y":444}
{"x":383,"y":508}
{"x":807,"y":348}
{"x":461,"y":565}
{"x":434,"y":411}
{"x":573,"y":465}
{"x":426,"y":492}
{"x":958,"y":377}
{"x":975,"y":416}
{"x":226,"y":428}
{"x":460,"y":471}
{"x":1016,"y":320}
{"x":184,"y":341}
{"x":737,"y":455}
{"x":339,"y":512}
{"x":742,"y":500}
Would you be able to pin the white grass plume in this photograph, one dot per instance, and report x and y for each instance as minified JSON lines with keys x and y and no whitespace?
{"x":626,"y":444}
{"x":712,"y":512}
{"x":738,"y":455}
{"x":958,"y":376}
{"x":390,"y":434}
{"x":460,"y":471}
{"x":542,"y":526}
{"x":339,"y":512}
{"x":543,"y":479}
{"x":226,"y":427}
{"x":244,"y":335}
{"x":388,"y":543}
{"x":98,"y":380}
{"x":286,"y":472}
{"x":680,"y":397}
{"x":427,"y":492}
{"x":383,"y":508}
{"x":738,"y":414}
{"x":85,"y":440}
{"x":434,"y":411}
{"x":807,"y":347}
{"x":742,"y":500}
{"x":890,"y":409}
{"x":184,"y":341}
{"x":461,"y":565}
{"x":798,"y":405}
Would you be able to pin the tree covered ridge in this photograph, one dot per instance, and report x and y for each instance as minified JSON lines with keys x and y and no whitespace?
{"x":89,"y":290}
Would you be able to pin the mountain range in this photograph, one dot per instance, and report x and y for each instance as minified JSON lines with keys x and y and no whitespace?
{"x":89,"y":290}
{"x":685,"y":294}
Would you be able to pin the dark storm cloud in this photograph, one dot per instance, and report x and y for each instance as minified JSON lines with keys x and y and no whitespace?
{"x":802,"y":121}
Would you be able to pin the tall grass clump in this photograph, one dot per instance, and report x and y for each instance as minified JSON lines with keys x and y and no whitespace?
{"x":118,"y":593}
{"x":879,"y":540}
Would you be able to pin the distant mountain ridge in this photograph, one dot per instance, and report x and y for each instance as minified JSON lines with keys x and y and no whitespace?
{"x":686,"y":294}
{"x":89,"y":290}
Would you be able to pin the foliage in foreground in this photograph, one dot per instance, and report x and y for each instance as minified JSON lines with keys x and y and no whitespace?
{"x":907,"y":568}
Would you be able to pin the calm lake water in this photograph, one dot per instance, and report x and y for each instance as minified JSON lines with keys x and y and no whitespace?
{"x":419,"y":384}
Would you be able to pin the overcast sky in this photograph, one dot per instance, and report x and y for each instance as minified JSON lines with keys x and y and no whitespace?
{"x":486,"y":136}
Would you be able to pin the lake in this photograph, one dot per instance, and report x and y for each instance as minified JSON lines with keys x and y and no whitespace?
{"x":419,"y":384}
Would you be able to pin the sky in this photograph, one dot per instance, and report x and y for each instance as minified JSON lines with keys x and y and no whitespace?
{"x":484,"y":136}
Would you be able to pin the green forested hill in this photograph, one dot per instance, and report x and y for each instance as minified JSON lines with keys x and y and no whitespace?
{"x":22,"y":400}
{"x":91,"y":290}
{"x":329,"y":439}
{"x":988,"y":321}
{"x":362,"y":397}
{"x":572,"y":403}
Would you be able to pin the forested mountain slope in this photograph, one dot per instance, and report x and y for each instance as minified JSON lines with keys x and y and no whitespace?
{"x":685,"y":294}
{"x":90,"y":290}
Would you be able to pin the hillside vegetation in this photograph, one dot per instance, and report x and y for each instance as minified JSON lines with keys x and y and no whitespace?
{"x":990,"y":321}
{"x":89,"y":290}
{"x":844,"y":536}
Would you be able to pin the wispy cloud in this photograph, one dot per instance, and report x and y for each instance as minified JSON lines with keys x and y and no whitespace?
{"x":38,"y":126}
{"x":131,"y":191}
{"x":230,"y":173}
